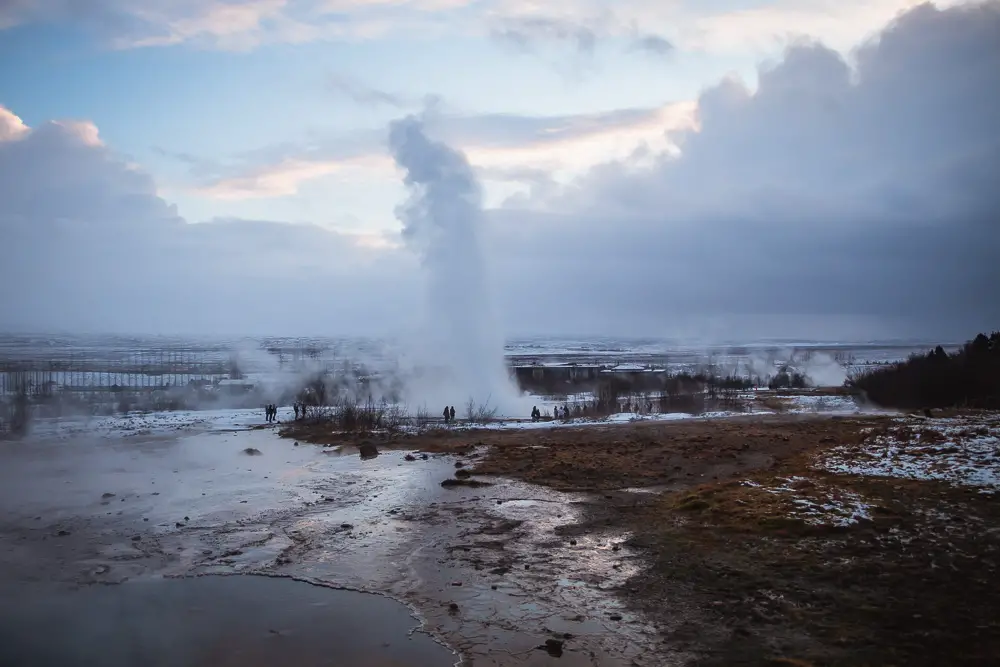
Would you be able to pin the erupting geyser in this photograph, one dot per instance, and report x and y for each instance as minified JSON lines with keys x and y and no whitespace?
{"x":441,"y":221}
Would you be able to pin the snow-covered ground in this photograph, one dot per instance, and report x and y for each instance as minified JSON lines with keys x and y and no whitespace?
{"x":827,"y":404}
{"x":962,"y":450}
{"x":618,"y":418}
{"x":155,"y":423}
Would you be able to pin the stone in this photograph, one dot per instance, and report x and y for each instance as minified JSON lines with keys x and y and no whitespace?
{"x":553,"y":647}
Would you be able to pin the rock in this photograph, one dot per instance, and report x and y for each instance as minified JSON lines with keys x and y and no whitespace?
{"x":107,"y":495}
{"x":346,"y":526}
{"x":572,"y":543}
{"x":410,"y":457}
{"x":296,"y":444}
{"x":187,"y":519}
{"x":616,"y":548}
{"x":527,"y":567}
{"x":367,"y":450}
{"x":178,"y":525}
{"x":423,"y":456}
{"x":136,"y":538}
{"x":101,"y":569}
{"x":615,"y":617}
{"x":449,"y":483}
{"x":459,"y":464}
{"x":145,"y":519}
{"x":553,"y":647}
{"x":463,"y":474}
{"x":251,"y":451}
{"x":62,"y":533}
{"x":453,"y":606}
{"x":494,"y":586}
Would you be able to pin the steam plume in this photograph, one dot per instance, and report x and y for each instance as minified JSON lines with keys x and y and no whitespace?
{"x":441,"y":222}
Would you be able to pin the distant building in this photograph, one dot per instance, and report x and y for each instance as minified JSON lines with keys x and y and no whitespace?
{"x":233,"y":386}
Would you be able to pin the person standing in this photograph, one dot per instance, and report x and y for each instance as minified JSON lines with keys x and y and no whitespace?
{"x":445,"y":414}
{"x":452,"y":413}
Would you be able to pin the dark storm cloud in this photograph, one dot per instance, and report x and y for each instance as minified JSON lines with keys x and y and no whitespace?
{"x":825,"y":191}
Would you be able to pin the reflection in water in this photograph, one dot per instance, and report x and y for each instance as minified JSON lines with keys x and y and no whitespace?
{"x":210,"y":622}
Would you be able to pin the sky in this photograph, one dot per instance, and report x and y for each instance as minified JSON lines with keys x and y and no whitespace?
{"x":715,"y":169}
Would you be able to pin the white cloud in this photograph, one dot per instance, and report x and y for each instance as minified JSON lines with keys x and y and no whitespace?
{"x":11,"y":127}
{"x":564,"y":146}
{"x":687,"y":25}
{"x":91,"y":247}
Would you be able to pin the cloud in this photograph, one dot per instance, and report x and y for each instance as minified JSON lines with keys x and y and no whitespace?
{"x":507,"y":145}
{"x":840,"y":196}
{"x":529,"y":32}
{"x":232,"y":25}
{"x":827,"y":191}
{"x":364,"y":95}
{"x":11,"y":127}
{"x":653,"y":44}
{"x":239,"y":25}
{"x":92,"y":247}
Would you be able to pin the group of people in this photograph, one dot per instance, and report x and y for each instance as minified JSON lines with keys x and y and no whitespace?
{"x":271,"y":413}
{"x":448,"y":414}
{"x":560,"y":412}
{"x":300,"y":409}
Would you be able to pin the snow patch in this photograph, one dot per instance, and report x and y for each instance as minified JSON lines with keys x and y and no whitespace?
{"x":963,"y":451}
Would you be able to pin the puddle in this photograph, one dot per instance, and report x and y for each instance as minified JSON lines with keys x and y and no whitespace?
{"x":489,"y":569}
{"x":210,"y":622}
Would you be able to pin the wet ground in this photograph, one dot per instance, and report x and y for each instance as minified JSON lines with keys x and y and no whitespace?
{"x":803,"y":539}
{"x":209,"y":622}
{"x":481,"y":567}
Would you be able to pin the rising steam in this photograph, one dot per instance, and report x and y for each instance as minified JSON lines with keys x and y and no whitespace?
{"x":441,"y":222}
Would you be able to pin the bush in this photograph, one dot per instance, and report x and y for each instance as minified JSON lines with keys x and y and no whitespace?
{"x":479,"y":413}
{"x":351,"y":416}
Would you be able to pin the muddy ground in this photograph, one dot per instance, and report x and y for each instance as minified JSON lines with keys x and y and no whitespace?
{"x":741,"y":549}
